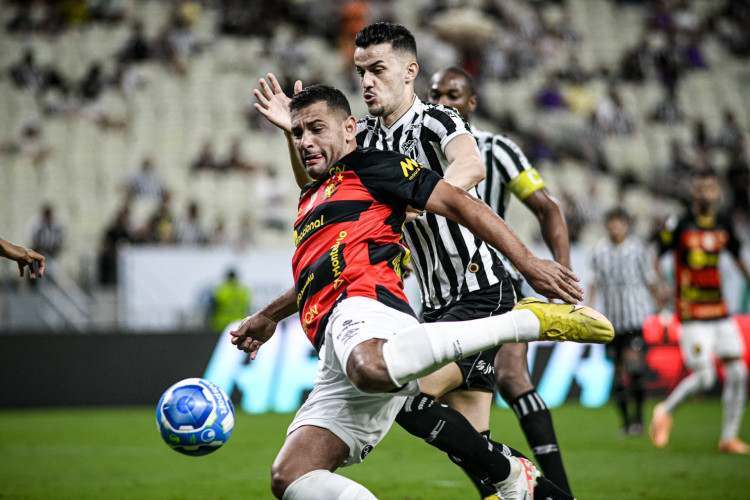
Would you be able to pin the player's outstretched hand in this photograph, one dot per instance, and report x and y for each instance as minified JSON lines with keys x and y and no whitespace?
{"x":253,"y":332}
{"x":273,"y":103}
{"x":554,"y":281}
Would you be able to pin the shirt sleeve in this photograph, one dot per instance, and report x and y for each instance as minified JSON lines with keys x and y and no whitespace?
{"x":446,"y":123}
{"x":394,"y":178}
{"x":667,"y":236}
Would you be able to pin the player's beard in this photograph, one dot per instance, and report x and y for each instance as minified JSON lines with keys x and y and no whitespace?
{"x":376,"y":109}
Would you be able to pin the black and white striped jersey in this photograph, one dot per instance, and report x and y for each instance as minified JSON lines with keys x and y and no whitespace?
{"x":508,"y":172}
{"x":448,"y":260}
{"x":622,"y":274}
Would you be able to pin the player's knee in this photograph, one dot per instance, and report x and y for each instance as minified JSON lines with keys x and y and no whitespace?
{"x":706,"y":376}
{"x":281,"y":478}
{"x":736,"y":372}
{"x":369,"y":375}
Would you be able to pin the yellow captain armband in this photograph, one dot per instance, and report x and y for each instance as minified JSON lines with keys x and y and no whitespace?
{"x":526,"y":183}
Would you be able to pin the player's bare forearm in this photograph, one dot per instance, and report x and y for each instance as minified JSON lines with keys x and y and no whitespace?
{"x":552,"y":224}
{"x":546,"y":277}
{"x":300,"y":174}
{"x":255,"y":330}
{"x":466,"y":169}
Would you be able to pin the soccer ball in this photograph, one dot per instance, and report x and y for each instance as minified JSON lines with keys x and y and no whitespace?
{"x":195,"y":417}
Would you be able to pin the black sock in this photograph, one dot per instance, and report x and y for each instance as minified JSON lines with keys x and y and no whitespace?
{"x":636,"y":386}
{"x":620,"y":395}
{"x":546,"y":490}
{"x":536,"y":423}
{"x":450,"y":432}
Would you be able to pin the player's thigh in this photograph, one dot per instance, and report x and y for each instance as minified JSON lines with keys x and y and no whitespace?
{"x":697,"y":344}
{"x":512,"y":371}
{"x":473,"y":404}
{"x":441,"y":381}
{"x":729,"y":344}
{"x":309,"y":448}
{"x":358,"y":319}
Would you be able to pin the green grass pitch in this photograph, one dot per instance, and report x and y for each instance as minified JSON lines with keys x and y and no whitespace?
{"x":117,"y":453}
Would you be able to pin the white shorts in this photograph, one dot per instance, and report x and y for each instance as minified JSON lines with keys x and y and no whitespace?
{"x":360,"y":419}
{"x":701,"y":339}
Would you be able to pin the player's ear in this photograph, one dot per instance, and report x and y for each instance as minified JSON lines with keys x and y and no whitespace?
{"x":350,"y":128}
{"x":411,"y":71}
{"x":473,"y":103}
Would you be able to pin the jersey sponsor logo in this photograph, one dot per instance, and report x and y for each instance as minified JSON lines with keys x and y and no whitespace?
{"x":316,"y":224}
{"x":335,"y":260}
{"x":366,"y":451}
{"x":304,"y":287}
{"x":336,"y":169}
{"x":526,"y":183}
{"x":410,"y":168}
{"x":310,"y":315}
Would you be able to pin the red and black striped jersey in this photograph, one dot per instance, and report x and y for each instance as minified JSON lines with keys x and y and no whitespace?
{"x":697,"y":245}
{"x":348,"y":233}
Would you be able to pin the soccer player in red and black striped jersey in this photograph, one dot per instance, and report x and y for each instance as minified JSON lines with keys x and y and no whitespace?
{"x":460,"y":276}
{"x":697,"y":239}
{"x":347,"y":269}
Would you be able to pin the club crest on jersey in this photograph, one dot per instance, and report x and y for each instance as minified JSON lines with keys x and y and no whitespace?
{"x":410,"y":148}
{"x":410,"y":168}
{"x":331,"y":186}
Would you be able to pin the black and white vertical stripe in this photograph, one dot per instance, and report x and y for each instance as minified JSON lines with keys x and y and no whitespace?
{"x":528,"y":403}
{"x":448,"y":260}
{"x":622,"y":274}
{"x":503,"y":161}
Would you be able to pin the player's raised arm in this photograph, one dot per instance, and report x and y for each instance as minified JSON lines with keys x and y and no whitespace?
{"x":466,"y":169}
{"x":546,"y":277}
{"x":273,"y":103}
{"x":255,"y":330}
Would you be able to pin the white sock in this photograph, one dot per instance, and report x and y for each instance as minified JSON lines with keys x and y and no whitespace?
{"x":701,"y":379}
{"x":421,"y":349}
{"x":733,"y":399}
{"x":325,"y":485}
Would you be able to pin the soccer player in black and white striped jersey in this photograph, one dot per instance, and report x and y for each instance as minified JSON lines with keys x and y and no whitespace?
{"x":623,"y":276}
{"x":509,"y":172}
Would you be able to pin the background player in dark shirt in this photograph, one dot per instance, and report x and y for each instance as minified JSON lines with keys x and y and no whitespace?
{"x":374,"y":188}
{"x":697,"y":240}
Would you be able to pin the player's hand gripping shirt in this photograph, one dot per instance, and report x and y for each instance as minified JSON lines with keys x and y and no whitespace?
{"x":448,"y":260}
{"x":697,"y":246}
{"x":348,"y":234}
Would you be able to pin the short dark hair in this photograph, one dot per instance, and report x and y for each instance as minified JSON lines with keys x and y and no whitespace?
{"x":397,"y":35}
{"x":332,"y":96}
{"x":704,"y":173}
{"x":617,"y":213}
{"x":456,"y":70}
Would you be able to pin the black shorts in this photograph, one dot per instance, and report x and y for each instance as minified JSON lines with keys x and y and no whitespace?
{"x":478,"y":370}
{"x":631,"y":339}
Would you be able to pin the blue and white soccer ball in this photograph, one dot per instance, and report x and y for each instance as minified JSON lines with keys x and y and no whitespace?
{"x":195,"y":417}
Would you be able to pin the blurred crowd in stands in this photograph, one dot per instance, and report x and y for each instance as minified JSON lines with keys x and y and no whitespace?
{"x":506,"y":43}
